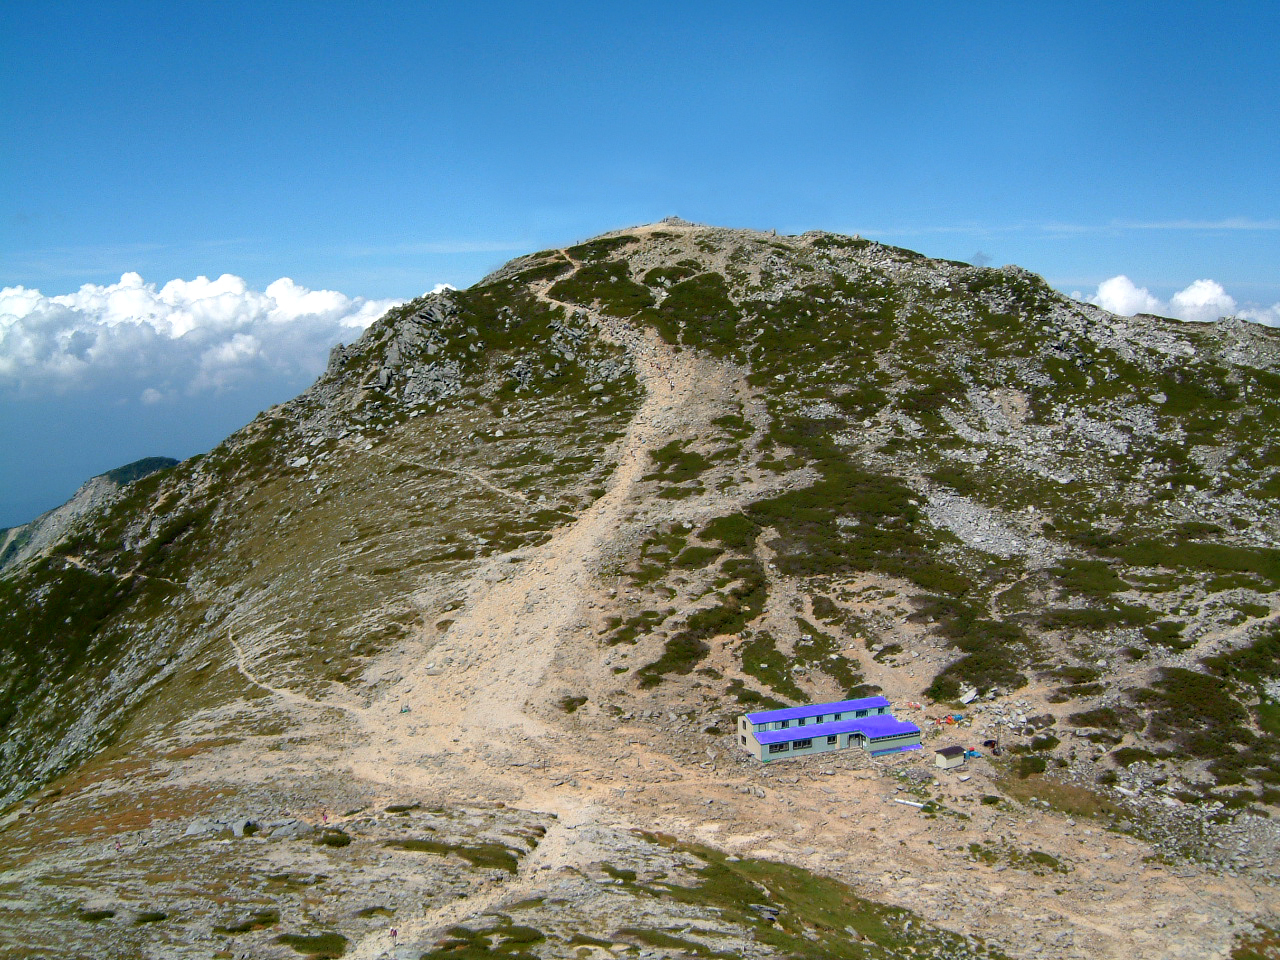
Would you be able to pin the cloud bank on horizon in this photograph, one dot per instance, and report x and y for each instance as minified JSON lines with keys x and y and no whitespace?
{"x":142,"y":342}
{"x":139,"y":341}
{"x":1199,"y":302}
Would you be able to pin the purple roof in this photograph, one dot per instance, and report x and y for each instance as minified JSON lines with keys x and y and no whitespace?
{"x":871,"y":727}
{"x":816,"y":709}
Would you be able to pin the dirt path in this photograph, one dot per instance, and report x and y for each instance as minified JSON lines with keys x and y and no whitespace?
{"x":474,"y":690}
{"x":437,"y":468}
{"x":285,"y":694}
{"x":481,"y":675}
{"x":79,"y":563}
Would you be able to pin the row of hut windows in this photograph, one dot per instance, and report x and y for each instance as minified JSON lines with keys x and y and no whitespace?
{"x":784,"y":724}
{"x":797,"y":744}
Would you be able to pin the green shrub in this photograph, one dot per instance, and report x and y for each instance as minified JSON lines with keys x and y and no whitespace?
{"x":686,"y":649}
{"x":1202,"y":558}
{"x":1093,"y":579}
{"x":1125,"y":756}
{"x":333,"y":837}
{"x":992,"y":648}
{"x":697,"y":557}
{"x":1069,"y":618}
{"x":674,"y":464}
{"x":700,"y":313}
{"x":601,"y":249}
{"x":752,"y":698}
{"x":1166,"y":633}
{"x":762,"y":660}
{"x":609,"y":284}
{"x":320,"y":945}
{"x":258,"y":921}
{"x":1027,"y":766}
{"x":484,"y":855}
{"x":1103,"y":717}
{"x":734,"y":532}
{"x":825,"y":609}
{"x":139,"y":469}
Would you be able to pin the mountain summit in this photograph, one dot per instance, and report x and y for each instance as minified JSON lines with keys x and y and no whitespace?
{"x":454,"y":643}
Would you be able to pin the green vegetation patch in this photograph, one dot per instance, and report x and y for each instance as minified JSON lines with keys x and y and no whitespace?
{"x":699,"y":312}
{"x":763,"y":660}
{"x":851,"y":519}
{"x":1205,"y":713}
{"x":320,"y":945}
{"x":799,"y":914}
{"x":1106,"y":718}
{"x":819,"y":651}
{"x":667,"y":941}
{"x":601,"y":249}
{"x":484,"y":855}
{"x":741,"y":604}
{"x":1031,"y":765}
{"x":1090,"y":618}
{"x":1263,"y":943}
{"x":674,"y":464}
{"x":993,"y":649}
{"x":1092,"y":579}
{"x":95,"y":916}
{"x":1211,"y":558}
{"x":666,"y":276}
{"x":503,"y":940}
{"x":260,"y":920}
{"x":139,"y":469}
{"x":628,"y":631}
{"x":1166,"y":633}
{"x":753,"y":698}
{"x":695,"y":558}
{"x":1127,"y":756}
{"x":333,"y":837}
{"x":1032,"y":861}
{"x":736,"y":532}
{"x":608,"y":284}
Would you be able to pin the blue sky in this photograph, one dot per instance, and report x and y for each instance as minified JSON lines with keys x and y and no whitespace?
{"x":376,"y":150}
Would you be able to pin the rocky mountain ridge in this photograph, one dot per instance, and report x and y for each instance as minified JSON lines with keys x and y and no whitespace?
{"x":524,"y":551}
{"x":26,"y":541}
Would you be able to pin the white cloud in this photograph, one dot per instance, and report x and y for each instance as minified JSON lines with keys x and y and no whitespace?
{"x":185,"y":337}
{"x":1202,"y":301}
{"x":1120,"y":295}
{"x":1227,"y":223}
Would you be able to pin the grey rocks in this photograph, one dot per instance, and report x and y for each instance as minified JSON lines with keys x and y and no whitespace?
{"x":289,"y":828}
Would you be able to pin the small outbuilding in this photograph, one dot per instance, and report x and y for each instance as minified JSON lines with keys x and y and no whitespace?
{"x":948,"y":757}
